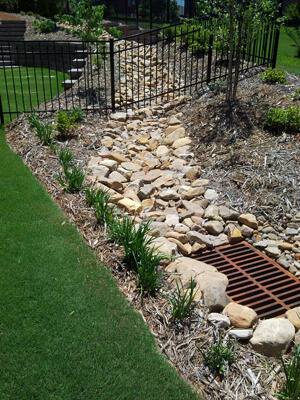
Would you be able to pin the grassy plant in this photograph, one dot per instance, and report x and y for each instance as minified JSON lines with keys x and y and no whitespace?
{"x":220,"y":356}
{"x":291,"y":386}
{"x":33,"y":121}
{"x":283,"y":120}
{"x":273,"y":76}
{"x":72,"y":180}
{"x":182,"y":304}
{"x":91,"y":196}
{"x":44,"y":132}
{"x":104,"y":211}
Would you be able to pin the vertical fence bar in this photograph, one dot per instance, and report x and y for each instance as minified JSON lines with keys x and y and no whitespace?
{"x":112,"y":74}
{"x":151,"y":13}
{"x":209,"y":59}
{"x":1,"y":111}
{"x":276,"y":41}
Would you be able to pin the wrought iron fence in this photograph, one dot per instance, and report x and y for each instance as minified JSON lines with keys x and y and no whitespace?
{"x":146,"y":68}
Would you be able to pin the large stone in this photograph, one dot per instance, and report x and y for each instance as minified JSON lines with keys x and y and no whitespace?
{"x":152,"y":176}
{"x":214,"y":227}
{"x":117,"y":157}
{"x":197,"y":237}
{"x":215,"y":298}
{"x":169,"y":194}
{"x":162,"y":151}
{"x":181,"y":142}
{"x":240,"y":316}
{"x":172,"y":219}
{"x":234,"y":235}
{"x":209,"y":278}
{"x":177,"y":134}
{"x":227,"y":213}
{"x":273,"y":252}
{"x":249,"y":220}
{"x":178,"y":236}
{"x":241,"y":334}
{"x":273,"y":336}
{"x":131,"y":166}
{"x":116,"y":185}
{"x":160,"y":227}
{"x":184,"y":249}
{"x":172,"y":128}
{"x":164,"y":181}
{"x":293,"y":316}
{"x":164,"y":246}
{"x":116,"y":176}
{"x":107,"y":142}
{"x":212,"y":212}
{"x":146,"y":191}
{"x":112,"y":165}
{"x":210,"y":194}
{"x":191,"y":193}
{"x":193,"y":174}
{"x":199,"y":182}
{"x":195,"y":208}
{"x":130,"y":205}
{"x":219,"y":319}
{"x":119,"y":116}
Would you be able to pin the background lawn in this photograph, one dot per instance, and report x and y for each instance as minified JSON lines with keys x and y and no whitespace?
{"x":24,"y":88}
{"x":66,"y":332}
{"x":287,"y":55}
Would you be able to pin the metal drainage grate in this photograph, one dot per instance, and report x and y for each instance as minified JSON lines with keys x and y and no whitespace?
{"x":255,"y":280}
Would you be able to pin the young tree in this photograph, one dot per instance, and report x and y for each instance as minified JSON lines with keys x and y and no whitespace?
{"x":242,"y":18}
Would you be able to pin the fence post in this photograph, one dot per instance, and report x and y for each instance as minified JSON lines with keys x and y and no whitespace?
{"x":112,"y":74}
{"x":277,"y":33}
{"x":151,"y":13}
{"x":209,"y":59}
{"x":1,"y":111}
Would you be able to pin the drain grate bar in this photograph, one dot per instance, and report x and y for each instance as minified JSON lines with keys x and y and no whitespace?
{"x":255,"y":280}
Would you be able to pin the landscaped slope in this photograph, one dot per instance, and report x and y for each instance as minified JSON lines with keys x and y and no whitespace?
{"x":66,"y":332}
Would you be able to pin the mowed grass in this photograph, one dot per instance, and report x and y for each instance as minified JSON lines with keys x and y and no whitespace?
{"x":66,"y":332}
{"x":25,"y":87}
{"x":287,"y":55}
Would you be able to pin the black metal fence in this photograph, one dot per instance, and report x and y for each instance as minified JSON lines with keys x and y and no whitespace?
{"x":146,"y":68}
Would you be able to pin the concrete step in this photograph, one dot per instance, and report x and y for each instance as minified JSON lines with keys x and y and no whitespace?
{"x":13,"y":22}
{"x":67,"y":84}
{"x":78,"y":62}
{"x":75,"y":73}
{"x":6,"y":63}
{"x":81,"y":53}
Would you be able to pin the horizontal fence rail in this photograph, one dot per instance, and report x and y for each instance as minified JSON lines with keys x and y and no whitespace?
{"x":139,"y":70}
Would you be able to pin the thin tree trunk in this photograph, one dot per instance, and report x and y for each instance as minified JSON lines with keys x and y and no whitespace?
{"x":230,"y":72}
{"x":237,"y":60}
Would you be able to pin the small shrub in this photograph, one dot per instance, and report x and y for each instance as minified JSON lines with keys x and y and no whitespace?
{"x":273,"y":76}
{"x":283,"y":120}
{"x":44,"y":25}
{"x":115,"y":32}
{"x":67,"y":121}
{"x":73,"y":178}
{"x":220,"y":356}
{"x":297,"y":95}
{"x":182,"y":304}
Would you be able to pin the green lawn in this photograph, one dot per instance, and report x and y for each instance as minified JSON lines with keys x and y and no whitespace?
{"x":24,"y":88}
{"x":66,"y":332}
{"x":287,"y":55}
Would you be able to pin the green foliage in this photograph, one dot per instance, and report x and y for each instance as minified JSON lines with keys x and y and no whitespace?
{"x":183,"y":303}
{"x":100,"y":56}
{"x":103,"y":210}
{"x":283,"y":120}
{"x":297,"y":95}
{"x":292,"y":18}
{"x":220,"y":356}
{"x":44,"y":25}
{"x":115,"y":32}
{"x":273,"y":76}
{"x":159,"y":9}
{"x":67,"y":121}
{"x":86,"y":19}
{"x":43,"y":131}
{"x":217,"y":85}
{"x":140,"y":254}
{"x":291,"y":386}
{"x":72,"y":180}
{"x":8,"y":5}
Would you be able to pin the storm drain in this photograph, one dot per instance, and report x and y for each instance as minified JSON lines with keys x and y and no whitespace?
{"x":255,"y":280}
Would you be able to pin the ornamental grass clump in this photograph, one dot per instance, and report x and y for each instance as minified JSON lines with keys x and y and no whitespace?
{"x":72,"y":180}
{"x":291,"y":386}
{"x":43,"y":131}
{"x":182,"y":300}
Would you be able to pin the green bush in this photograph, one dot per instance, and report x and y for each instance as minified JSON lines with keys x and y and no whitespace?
{"x":44,"y":25}
{"x":283,"y":120}
{"x":67,"y":121}
{"x":297,"y":95}
{"x":220,"y":356}
{"x":273,"y":76}
{"x":115,"y":32}
{"x":72,"y":180}
{"x":182,"y":301}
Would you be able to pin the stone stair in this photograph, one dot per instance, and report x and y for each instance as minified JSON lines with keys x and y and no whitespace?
{"x":77,"y":68}
{"x":12,"y":30}
{"x":6,"y":60}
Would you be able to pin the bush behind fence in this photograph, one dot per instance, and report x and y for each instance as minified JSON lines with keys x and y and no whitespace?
{"x":130,"y":72}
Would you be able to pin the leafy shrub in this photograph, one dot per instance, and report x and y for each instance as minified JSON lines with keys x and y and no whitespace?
{"x":292,"y":18}
{"x":283,"y":120}
{"x":220,"y":356}
{"x":115,"y":32}
{"x":297,"y":95}
{"x":183,"y":303}
{"x":273,"y":76}
{"x":67,"y":121}
{"x":44,"y":25}
{"x":73,"y":178}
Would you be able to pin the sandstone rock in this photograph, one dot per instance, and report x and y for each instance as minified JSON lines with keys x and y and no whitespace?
{"x":118,"y":116}
{"x":234,"y":235}
{"x":146,"y":191}
{"x":137,"y":175}
{"x":199,"y":182}
{"x":283,"y":262}
{"x":226,"y":213}
{"x":191,"y":193}
{"x":193,"y":174}
{"x":174,"y":121}
{"x":215,"y":298}
{"x":117,"y":157}
{"x":181,"y":228}
{"x":116,"y":185}
{"x":99,"y":170}
{"x":242,"y":334}
{"x":169,"y":195}
{"x":164,"y":181}
{"x":127,"y":174}
{"x":148,"y":205}
{"x":153,"y":144}
{"x":209,"y":278}
{"x":220,"y":240}
{"x":273,"y":252}
{"x":200,"y":238}
{"x":172,"y":128}
{"x":177,"y":134}
{"x":181,"y":142}
{"x":212,"y":212}
{"x":160,"y":227}
{"x":293,"y":316}
{"x":131,"y":194}
{"x":197,"y":246}
{"x":107,"y":142}
{"x":152,"y":176}
{"x":172,"y":219}
{"x":116,"y":176}
{"x":240,"y":316}
{"x":114,"y":196}
{"x":214,"y":227}
{"x":246,"y":231}
{"x":195,"y":208}
{"x":183,"y":151}
{"x":162,"y":151}
{"x":131,"y":166}
{"x":164,"y":246}
{"x":273,"y":336}
{"x":249,"y":220}
{"x":285,"y":246}
{"x":210,"y":194}
{"x":291,"y":231}
{"x":130,"y":205}
{"x":221,"y":320}
{"x":184,"y":249}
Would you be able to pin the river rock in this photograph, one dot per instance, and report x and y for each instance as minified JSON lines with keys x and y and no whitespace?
{"x":221,"y":320}
{"x":273,"y":336}
{"x":215,"y":298}
{"x":214,"y":227}
{"x":249,"y":220}
{"x":240,"y":316}
{"x":242,"y":334}
{"x":293,"y":316}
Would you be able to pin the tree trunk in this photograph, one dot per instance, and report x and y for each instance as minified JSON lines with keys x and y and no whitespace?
{"x":237,"y":60}
{"x":230,"y":72}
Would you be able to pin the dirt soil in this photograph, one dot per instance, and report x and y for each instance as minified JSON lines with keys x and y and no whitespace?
{"x":255,"y":170}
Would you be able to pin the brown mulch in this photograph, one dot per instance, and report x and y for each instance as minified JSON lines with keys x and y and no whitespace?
{"x":8,"y":17}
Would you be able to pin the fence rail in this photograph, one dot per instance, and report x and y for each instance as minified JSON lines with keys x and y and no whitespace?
{"x":136,"y":71}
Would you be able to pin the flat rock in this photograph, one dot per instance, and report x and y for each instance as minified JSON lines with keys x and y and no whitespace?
{"x":219,"y":319}
{"x":214,"y":227}
{"x":209,"y":278}
{"x":195,"y":208}
{"x":242,"y":334}
{"x":197,"y":237}
{"x":191,"y":193}
{"x":116,"y":176}
{"x":211,"y":194}
{"x":130,"y":205}
{"x":193,"y":174}
{"x":107,"y":142}
{"x":293,"y":316}
{"x":152,"y":175}
{"x":181,"y":228}
{"x":116,"y":185}
{"x":164,"y":246}
{"x":172,"y":128}
{"x":184,"y":249}
{"x":273,"y":336}
{"x":162,"y":151}
{"x":175,"y":135}
{"x":169,"y":194}
{"x":228,"y":214}
{"x":117,"y":157}
{"x":160,"y":227}
{"x":172,"y":220}
{"x":199,"y":182}
{"x":119,"y":116}
{"x":273,"y":252}
{"x":131,"y":166}
{"x":185,"y":141}
{"x":246,"y":231}
{"x":212,"y":212}
{"x":240,"y":316}
{"x":249,"y":220}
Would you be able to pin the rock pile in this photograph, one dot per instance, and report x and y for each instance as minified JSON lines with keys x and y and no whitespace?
{"x":146,"y":163}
